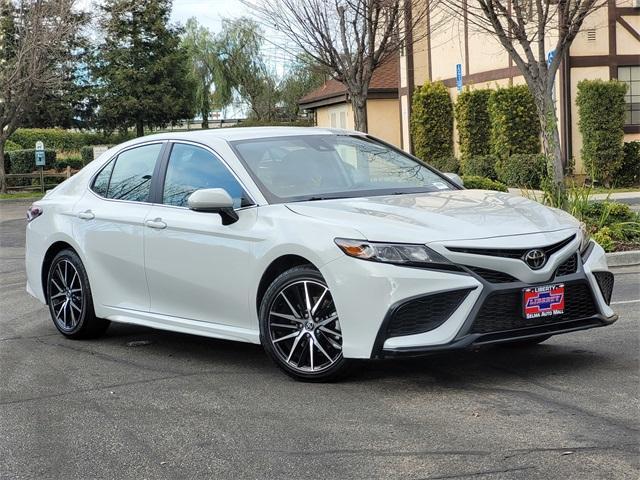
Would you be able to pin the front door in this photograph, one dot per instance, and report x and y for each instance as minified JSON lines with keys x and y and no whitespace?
{"x":196,"y":267}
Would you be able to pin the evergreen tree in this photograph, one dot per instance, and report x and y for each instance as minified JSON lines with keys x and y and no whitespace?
{"x":141,"y":70}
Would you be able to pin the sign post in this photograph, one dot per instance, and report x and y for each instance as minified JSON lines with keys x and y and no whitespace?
{"x":459,"y":77}
{"x":40,"y":162}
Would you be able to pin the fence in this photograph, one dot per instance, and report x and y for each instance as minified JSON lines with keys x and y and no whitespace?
{"x":41,"y":177}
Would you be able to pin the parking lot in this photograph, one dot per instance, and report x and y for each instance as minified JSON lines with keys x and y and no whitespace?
{"x":141,"y":403}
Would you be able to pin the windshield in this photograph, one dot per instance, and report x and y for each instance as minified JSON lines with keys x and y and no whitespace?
{"x":316,"y":167}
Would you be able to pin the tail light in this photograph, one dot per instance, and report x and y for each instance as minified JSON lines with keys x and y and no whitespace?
{"x":33,"y":212}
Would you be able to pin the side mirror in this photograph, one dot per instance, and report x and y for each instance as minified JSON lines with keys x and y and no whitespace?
{"x":455,"y":178}
{"x":214,"y":200}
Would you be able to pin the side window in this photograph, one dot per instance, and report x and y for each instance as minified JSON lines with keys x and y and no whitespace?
{"x":101,"y":182}
{"x":131,"y":176}
{"x":192,"y":168}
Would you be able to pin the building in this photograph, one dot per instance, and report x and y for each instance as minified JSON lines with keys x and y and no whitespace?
{"x":331,"y":108}
{"x":607,"y":47}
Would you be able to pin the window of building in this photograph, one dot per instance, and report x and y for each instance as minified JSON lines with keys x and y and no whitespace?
{"x":631,"y":76}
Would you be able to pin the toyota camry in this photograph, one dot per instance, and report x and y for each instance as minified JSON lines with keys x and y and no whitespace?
{"x":324,"y":246}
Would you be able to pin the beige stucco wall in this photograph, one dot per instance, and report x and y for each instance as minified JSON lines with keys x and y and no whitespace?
{"x":383,"y":116}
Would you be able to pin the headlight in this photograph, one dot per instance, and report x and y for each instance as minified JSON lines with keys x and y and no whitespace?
{"x":396,"y":253}
{"x":585,"y":237}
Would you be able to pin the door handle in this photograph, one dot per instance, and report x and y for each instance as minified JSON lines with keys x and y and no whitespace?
{"x":86,"y":215}
{"x":156,"y":223}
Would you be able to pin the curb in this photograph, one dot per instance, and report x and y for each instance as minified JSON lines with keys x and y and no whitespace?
{"x":623,"y":259}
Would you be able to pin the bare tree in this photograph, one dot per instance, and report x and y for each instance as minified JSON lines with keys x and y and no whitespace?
{"x":348,"y":38}
{"x":529,"y":30}
{"x":31,"y":35}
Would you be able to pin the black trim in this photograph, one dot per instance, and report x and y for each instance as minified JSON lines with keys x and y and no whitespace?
{"x":466,"y":339}
{"x":478,"y":340}
{"x":157,"y":183}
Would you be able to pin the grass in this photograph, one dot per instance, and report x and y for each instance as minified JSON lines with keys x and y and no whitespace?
{"x":30,"y":195}
{"x":614,"y":190}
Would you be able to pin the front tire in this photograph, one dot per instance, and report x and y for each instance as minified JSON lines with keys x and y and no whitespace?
{"x":70,"y":300}
{"x":300,"y":328}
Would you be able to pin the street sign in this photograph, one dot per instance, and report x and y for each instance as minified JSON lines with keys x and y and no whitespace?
{"x":459,"y":76}
{"x":40,"y":160}
{"x":550,"y":56}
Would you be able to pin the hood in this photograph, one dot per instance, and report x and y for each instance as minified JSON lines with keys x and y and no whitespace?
{"x":438,"y":216}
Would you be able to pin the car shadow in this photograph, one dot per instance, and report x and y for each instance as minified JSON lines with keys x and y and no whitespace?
{"x":452,"y":369}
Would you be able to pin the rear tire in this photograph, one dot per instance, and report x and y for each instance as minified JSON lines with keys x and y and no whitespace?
{"x":70,"y":300}
{"x":300,"y":328}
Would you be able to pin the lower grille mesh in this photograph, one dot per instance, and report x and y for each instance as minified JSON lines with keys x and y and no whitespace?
{"x":425,"y":313}
{"x":503,"y":311}
{"x":605,"y":282}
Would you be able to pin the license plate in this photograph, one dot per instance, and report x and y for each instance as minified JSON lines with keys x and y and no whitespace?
{"x":543,"y":301}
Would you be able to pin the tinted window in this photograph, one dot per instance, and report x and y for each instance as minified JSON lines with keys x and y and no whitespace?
{"x":101,"y":182}
{"x":131,"y":177}
{"x":192,"y":168}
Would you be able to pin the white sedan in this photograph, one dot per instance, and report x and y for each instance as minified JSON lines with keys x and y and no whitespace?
{"x":324,"y":246}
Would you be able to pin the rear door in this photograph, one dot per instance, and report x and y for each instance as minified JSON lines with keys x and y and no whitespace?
{"x":197,"y":268}
{"x":109,"y":226}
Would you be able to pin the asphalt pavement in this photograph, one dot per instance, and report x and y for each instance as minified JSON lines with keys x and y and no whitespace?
{"x":140,"y":403}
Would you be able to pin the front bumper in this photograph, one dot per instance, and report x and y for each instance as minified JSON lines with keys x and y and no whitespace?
{"x":464,"y":314}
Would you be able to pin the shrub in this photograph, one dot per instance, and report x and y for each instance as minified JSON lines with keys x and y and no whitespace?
{"x":446,"y":164}
{"x":58,"y":139}
{"x":601,"y":109}
{"x":515,"y":128}
{"x":629,"y":173}
{"x":479,"y":166}
{"x":432,"y":122}
{"x":524,"y":171}
{"x":483,"y":183}
{"x":605,"y":239}
{"x":24,"y":161}
{"x":474,"y":126}
{"x":86,"y":153}
{"x":10,"y":146}
{"x":74,"y":162}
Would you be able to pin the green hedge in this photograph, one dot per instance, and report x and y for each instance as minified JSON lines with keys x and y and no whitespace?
{"x":473,"y":123}
{"x":483,"y":183}
{"x":601,"y":109}
{"x":522,"y":170}
{"x":24,"y":161}
{"x":10,"y":146}
{"x":75,"y":163}
{"x":86,"y":153}
{"x":59,"y":139}
{"x":446,"y":164}
{"x":432,"y":122}
{"x":480,"y":166}
{"x":515,"y":128}
{"x":629,"y":173}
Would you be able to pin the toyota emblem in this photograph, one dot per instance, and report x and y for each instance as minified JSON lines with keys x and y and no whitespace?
{"x":535,"y":259}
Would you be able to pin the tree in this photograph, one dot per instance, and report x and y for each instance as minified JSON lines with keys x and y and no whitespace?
{"x":245,"y":70}
{"x":33,"y":34}
{"x":141,"y":69}
{"x":213,"y":88}
{"x":348,"y":38}
{"x":302,"y":77}
{"x":528,"y":30}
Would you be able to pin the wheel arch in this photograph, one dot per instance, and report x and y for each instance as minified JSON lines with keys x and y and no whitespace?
{"x":50,"y":254}
{"x":276,"y":268}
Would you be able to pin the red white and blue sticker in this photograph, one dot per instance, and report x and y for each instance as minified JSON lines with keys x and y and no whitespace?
{"x":544,"y":301}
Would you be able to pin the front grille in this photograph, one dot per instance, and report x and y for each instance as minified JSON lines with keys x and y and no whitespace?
{"x":516,"y":253}
{"x":425,"y":313}
{"x":493,"y":276}
{"x":605,"y":282}
{"x":569,"y":266}
{"x":503,"y":310}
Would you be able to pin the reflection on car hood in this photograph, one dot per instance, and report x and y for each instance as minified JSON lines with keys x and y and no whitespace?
{"x":439,"y":216}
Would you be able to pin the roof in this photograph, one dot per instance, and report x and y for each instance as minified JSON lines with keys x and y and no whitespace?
{"x":384,"y":80}
{"x":237,"y":133}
